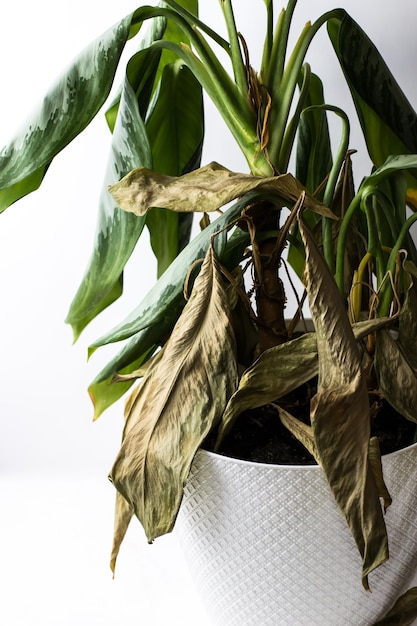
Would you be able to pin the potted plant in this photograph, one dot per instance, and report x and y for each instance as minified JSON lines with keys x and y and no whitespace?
{"x":216,"y":359}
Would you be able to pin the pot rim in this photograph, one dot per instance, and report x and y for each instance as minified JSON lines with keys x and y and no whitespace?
{"x":287,"y":466}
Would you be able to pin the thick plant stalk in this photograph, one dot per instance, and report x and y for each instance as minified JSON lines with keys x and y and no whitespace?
{"x":270,"y":294}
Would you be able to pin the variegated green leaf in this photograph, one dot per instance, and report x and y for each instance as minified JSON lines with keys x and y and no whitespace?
{"x":166,"y":295}
{"x":178,"y":402}
{"x":340,"y":413}
{"x":388,"y":120}
{"x":117,"y":232}
{"x":65,"y":111}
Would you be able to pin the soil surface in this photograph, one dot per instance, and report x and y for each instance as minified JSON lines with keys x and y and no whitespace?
{"x":259,"y":435}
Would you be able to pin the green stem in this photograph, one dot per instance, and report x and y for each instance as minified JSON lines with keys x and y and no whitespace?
{"x":374,"y":243}
{"x":194,"y":21}
{"x":386,"y":292}
{"x":341,"y":241}
{"x":282,"y":92}
{"x":275,"y":70}
{"x":269,"y":40}
{"x":239,"y":69}
{"x":332,"y":182}
{"x":291,"y":130}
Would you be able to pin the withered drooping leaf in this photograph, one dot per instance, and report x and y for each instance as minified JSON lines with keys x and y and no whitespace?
{"x":397,"y":379}
{"x":404,"y":611}
{"x":276,"y":372}
{"x":205,"y":190}
{"x":122,"y":515}
{"x":280,"y":370}
{"x":376,"y":465}
{"x":301,"y":431}
{"x":178,"y":402}
{"x":407,"y":325}
{"x":340,"y":414}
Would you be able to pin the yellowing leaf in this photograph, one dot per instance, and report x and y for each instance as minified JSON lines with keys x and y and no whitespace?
{"x":205,"y":190}
{"x":177,"y":403}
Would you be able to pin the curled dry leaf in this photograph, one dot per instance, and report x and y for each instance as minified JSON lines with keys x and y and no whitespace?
{"x":404,"y":611}
{"x":176,"y":404}
{"x":122,"y":515}
{"x":407,"y":327}
{"x":340,"y":414}
{"x":301,"y":431}
{"x":206,"y":189}
{"x":397,"y":379}
{"x":376,"y":466}
{"x":293,"y":364}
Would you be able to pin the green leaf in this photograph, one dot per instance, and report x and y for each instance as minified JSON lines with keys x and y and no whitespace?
{"x":178,"y":402}
{"x":104,"y":390}
{"x":314,"y":156}
{"x":117,"y":232}
{"x":167,"y":294}
{"x":340,"y":413}
{"x":132,"y":145}
{"x":175,"y":130}
{"x":388,"y":120}
{"x":142,"y":70}
{"x":65,"y":111}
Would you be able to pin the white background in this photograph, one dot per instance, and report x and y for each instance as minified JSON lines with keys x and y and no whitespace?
{"x":56,"y":506}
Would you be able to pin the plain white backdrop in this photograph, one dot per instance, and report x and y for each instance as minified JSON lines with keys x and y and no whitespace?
{"x":56,"y":506}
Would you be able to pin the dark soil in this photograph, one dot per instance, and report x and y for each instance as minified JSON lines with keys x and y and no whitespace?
{"x":259,"y":435}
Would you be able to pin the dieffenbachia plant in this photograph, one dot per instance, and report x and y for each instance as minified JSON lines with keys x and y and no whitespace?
{"x":191,"y":336}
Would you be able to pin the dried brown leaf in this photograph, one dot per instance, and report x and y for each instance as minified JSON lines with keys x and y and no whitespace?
{"x":301,"y":431}
{"x":280,"y":370}
{"x":205,"y":190}
{"x":377,"y":470}
{"x":340,"y":413}
{"x":397,"y":379}
{"x":404,"y":611}
{"x":122,"y":515}
{"x":176,"y":405}
{"x":408,"y":324}
{"x":275,"y":373}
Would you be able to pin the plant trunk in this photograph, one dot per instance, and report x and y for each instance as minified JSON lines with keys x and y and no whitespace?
{"x":270,"y":293}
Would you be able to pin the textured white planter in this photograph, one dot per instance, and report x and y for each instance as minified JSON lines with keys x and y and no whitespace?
{"x":267,"y":546}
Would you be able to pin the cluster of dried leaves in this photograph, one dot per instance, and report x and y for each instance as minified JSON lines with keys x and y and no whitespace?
{"x":193,"y":384}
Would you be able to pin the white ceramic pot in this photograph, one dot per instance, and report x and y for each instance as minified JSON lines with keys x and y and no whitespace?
{"x":267,"y":545}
